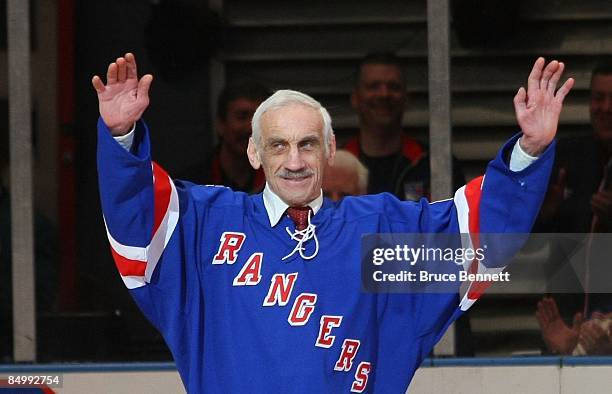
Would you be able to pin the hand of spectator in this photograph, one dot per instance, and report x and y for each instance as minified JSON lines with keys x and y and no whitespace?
{"x":596,"y":335}
{"x":124,"y":98}
{"x":537,"y":108}
{"x":558,"y":336}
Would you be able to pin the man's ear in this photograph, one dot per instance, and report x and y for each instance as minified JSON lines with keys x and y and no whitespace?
{"x":332,"y":150}
{"x":253,"y":154}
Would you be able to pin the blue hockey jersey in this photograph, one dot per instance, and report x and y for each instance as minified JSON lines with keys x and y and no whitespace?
{"x":206,"y":267}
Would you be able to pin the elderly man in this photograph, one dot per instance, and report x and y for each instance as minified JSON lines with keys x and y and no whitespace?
{"x":262,"y":293}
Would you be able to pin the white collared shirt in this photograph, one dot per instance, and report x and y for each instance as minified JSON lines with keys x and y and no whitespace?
{"x":275,"y":207}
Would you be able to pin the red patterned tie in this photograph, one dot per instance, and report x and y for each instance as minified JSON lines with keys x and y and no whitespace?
{"x":299,"y":215}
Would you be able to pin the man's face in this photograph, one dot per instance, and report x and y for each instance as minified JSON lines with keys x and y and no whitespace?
{"x":292,"y":152}
{"x":380,"y":95}
{"x":235,"y":129}
{"x":601,"y":106}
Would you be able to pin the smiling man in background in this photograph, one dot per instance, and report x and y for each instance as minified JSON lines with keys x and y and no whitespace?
{"x":397,"y":163}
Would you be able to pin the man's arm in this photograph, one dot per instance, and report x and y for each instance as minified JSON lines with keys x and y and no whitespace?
{"x":139,"y":201}
{"x":132,"y":190}
{"x":151,"y":221}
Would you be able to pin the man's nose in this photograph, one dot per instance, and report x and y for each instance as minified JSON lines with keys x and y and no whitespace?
{"x":383,"y":90}
{"x":294,"y":160}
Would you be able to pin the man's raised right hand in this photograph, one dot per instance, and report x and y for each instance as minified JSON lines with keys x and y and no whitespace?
{"x":124,"y":98}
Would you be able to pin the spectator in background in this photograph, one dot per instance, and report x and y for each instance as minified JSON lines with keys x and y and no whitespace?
{"x":347,"y":177}
{"x":229,"y":165}
{"x":45,"y":254}
{"x":579,"y":200}
{"x":397,"y":163}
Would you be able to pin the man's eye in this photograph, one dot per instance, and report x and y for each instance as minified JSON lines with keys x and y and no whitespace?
{"x":308,"y":145}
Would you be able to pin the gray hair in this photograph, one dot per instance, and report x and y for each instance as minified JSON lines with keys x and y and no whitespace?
{"x":345,"y":159}
{"x":283,"y":98}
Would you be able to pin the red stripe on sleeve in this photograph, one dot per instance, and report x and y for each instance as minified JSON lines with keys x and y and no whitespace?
{"x":477,"y":289}
{"x":128,"y":267}
{"x":161,"y":190}
{"x":473,"y":193}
